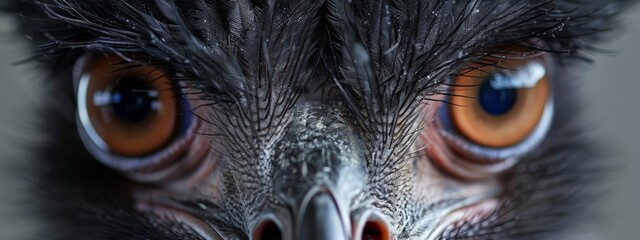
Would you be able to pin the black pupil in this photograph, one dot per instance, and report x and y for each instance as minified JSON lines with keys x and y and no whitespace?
{"x":132,"y":100}
{"x":496,"y":101}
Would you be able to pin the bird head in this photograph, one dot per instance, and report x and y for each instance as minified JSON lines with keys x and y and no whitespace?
{"x":300,"y":119}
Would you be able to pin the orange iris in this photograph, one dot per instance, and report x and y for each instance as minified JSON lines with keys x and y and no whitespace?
{"x":133,"y":108}
{"x":518,"y":90}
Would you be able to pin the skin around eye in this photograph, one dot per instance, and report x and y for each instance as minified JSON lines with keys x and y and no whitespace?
{"x":498,"y":107}
{"x":132,"y":108}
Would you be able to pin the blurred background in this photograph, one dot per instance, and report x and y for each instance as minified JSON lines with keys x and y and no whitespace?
{"x":610,"y":89}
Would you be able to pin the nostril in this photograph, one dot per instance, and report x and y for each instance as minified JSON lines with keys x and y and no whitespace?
{"x":375,"y":230}
{"x":267,"y":230}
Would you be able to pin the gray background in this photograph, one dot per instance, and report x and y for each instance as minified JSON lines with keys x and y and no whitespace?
{"x":610,"y":89}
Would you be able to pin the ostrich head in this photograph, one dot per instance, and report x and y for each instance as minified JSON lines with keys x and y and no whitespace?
{"x":302,"y":119}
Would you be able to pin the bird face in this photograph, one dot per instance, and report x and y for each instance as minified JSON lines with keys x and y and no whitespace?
{"x":314,"y":119}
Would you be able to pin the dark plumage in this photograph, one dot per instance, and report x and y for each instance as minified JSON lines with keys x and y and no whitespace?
{"x":264,"y":71}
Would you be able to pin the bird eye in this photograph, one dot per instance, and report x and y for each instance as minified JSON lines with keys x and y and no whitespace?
{"x":133,"y":117}
{"x":132,"y":108}
{"x":499,"y":106}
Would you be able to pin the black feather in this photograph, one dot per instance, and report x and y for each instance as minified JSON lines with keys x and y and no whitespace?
{"x":251,"y":61}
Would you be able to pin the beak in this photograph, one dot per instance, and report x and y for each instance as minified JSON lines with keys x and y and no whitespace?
{"x":320,"y":219}
{"x":319,"y":172}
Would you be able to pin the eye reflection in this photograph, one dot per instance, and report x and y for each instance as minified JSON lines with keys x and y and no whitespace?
{"x":134,"y":101}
